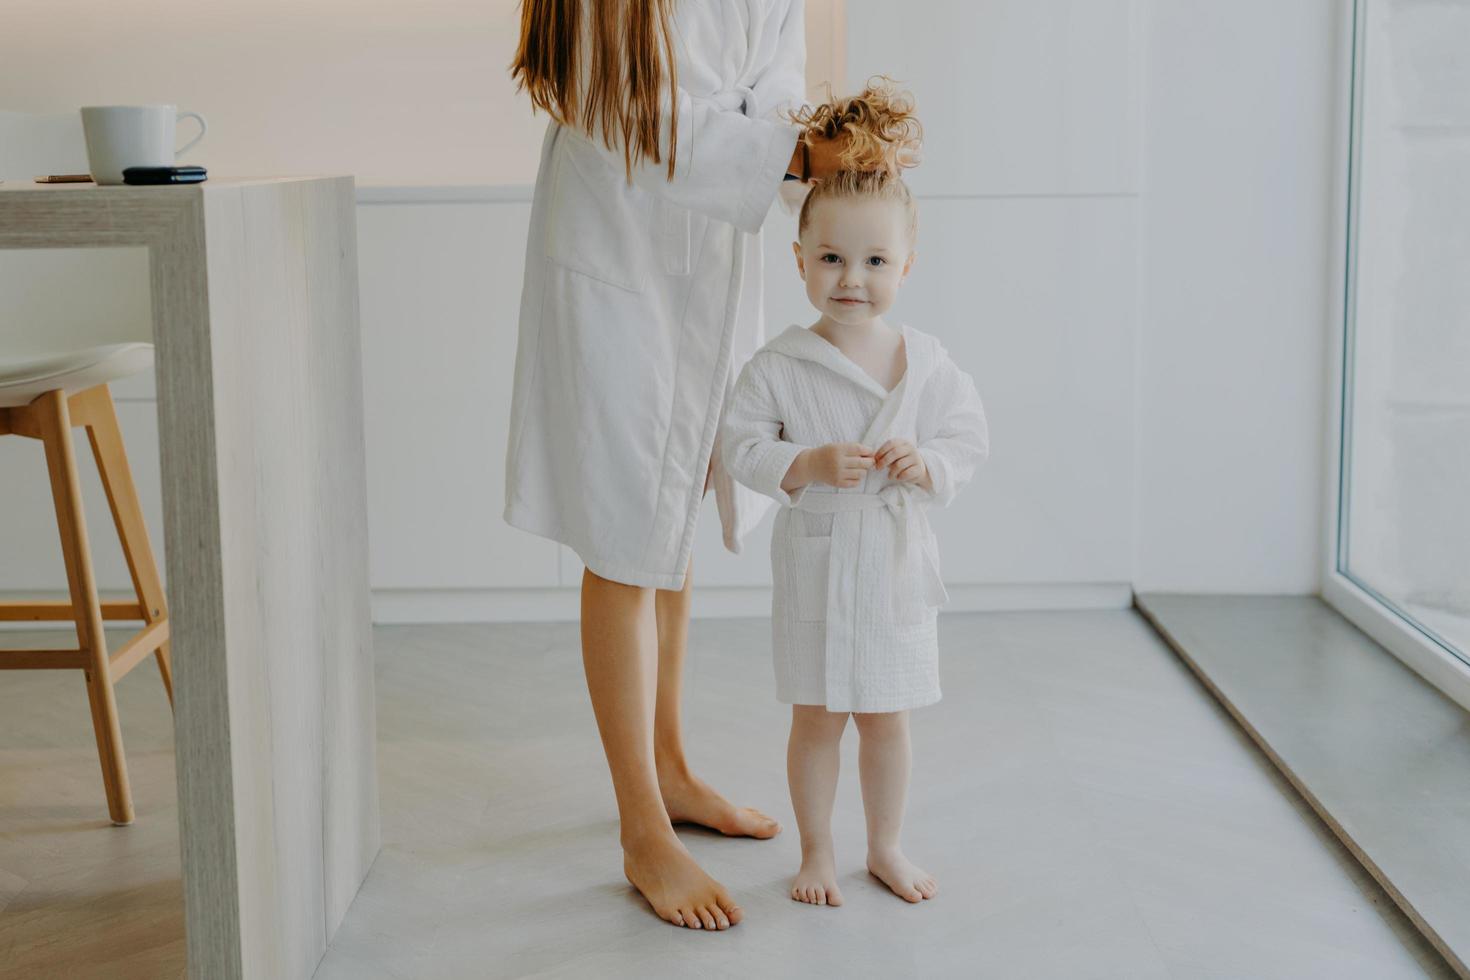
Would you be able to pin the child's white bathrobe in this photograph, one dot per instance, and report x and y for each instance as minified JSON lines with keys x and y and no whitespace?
{"x":857,"y":580}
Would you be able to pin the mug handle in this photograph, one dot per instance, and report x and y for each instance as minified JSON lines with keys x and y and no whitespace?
{"x":203,"y":128}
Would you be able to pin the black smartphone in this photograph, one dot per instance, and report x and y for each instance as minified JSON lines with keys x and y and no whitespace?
{"x":163,"y":175}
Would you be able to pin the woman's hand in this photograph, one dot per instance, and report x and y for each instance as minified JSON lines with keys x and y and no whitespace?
{"x":837,"y":464}
{"x":824,"y":156}
{"x":904,"y":462}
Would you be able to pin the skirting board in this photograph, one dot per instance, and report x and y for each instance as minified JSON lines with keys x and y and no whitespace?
{"x":402,"y":606}
{"x":394,"y":607}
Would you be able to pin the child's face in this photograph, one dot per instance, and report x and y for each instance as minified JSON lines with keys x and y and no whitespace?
{"x":853,"y":256}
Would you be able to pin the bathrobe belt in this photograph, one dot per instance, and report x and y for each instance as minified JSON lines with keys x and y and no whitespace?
{"x":899,"y":499}
{"x":736,"y":98}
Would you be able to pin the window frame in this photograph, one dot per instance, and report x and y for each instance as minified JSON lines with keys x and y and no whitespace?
{"x":1371,"y":612}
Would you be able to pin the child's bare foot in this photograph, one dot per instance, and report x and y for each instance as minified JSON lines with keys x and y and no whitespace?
{"x":688,"y":799}
{"x":816,"y":882}
{"x":906,"y":881}
{"x":677,"y":887}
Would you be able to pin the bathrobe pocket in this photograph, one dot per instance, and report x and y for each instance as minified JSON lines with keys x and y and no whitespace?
{"x":809,"y":566}
{"x":598,"y":224}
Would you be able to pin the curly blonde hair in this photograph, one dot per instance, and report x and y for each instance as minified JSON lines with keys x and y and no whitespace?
{"x":884,"y":134}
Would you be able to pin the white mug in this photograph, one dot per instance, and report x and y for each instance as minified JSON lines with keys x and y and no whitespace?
{"x":122,"y":136}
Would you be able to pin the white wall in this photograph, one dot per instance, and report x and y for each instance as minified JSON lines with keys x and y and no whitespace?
{"x":1099,"y":175}
{"x":390,"y":91}
{"x":395,"y":93}
{"x":1055,"y":363}
{"x":1239,"y":157}
{"x":1026,"y":265}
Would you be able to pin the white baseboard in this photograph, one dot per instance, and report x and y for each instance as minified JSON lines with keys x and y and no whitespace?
{"x":403,"y":606}
{"x":400,"y":606}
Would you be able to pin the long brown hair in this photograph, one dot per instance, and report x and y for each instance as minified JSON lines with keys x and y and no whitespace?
{"x":615,"y":89}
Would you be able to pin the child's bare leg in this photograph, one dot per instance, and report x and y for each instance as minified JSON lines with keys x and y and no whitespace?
{"x":618,"y":653}
{"x":883,"y":765}
{"x":813,"y":756}
{"x":687,"y":798}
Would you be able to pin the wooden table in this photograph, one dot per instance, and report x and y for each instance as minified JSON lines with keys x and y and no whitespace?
{"x":254,"y":294}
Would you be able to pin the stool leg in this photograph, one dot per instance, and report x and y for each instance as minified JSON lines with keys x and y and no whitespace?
{"x":122,"y":495}
{"x":166,"y":670}
{"x":61,"y":461}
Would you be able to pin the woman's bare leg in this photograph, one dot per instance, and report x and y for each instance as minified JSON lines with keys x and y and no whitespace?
{"x":813,"y":757}
{"x":620,"y":656}
{"x":883,"y":767}
{"x":687,"y":798}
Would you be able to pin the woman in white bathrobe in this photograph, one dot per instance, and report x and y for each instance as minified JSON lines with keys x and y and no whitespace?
{"x":642,"y":297}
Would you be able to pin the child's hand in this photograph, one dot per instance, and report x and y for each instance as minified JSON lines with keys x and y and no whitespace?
{"x":841,"y":464}
{"x":903,"y":461}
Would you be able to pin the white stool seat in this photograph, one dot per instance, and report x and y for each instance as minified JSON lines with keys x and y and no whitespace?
{"x":24,"y":380}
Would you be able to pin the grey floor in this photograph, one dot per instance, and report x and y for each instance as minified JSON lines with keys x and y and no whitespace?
{"x":1314,"y":691}
{"x":1088,"y":808}
{"x":80,"y":898}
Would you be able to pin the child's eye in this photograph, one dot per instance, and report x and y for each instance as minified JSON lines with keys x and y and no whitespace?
{"x":877,"y":260}
{"x":830,"y":258}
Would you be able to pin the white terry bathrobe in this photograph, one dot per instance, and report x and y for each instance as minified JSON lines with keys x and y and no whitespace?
{"x":640,"y":303}
{"x":856,"y":570}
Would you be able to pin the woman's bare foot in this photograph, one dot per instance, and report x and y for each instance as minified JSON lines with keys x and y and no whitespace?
{"x":816,"y":882}
{"x":906,"y":881}
{"x":688,"y":799}
{"x":677,"y":887}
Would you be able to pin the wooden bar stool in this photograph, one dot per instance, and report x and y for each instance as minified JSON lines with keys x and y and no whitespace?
{"x":43,"y":399}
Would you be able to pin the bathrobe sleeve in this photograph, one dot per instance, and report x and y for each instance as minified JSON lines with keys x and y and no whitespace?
{"x":728,"y":166}
{"x":755,"y":452}
{"x":782,"y":86}
{"x":960,"y":439}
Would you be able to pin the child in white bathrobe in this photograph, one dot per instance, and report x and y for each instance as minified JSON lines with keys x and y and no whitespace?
{"x":856,"y":428}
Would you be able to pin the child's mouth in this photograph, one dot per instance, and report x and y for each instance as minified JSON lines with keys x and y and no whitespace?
{"x":850,"y":302}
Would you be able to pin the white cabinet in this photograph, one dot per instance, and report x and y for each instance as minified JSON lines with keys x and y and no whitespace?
{"x":441,"y":288}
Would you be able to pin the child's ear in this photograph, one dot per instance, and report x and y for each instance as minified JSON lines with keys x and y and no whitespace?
{"x":907,"y":266}
{"x":800,"y":263}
